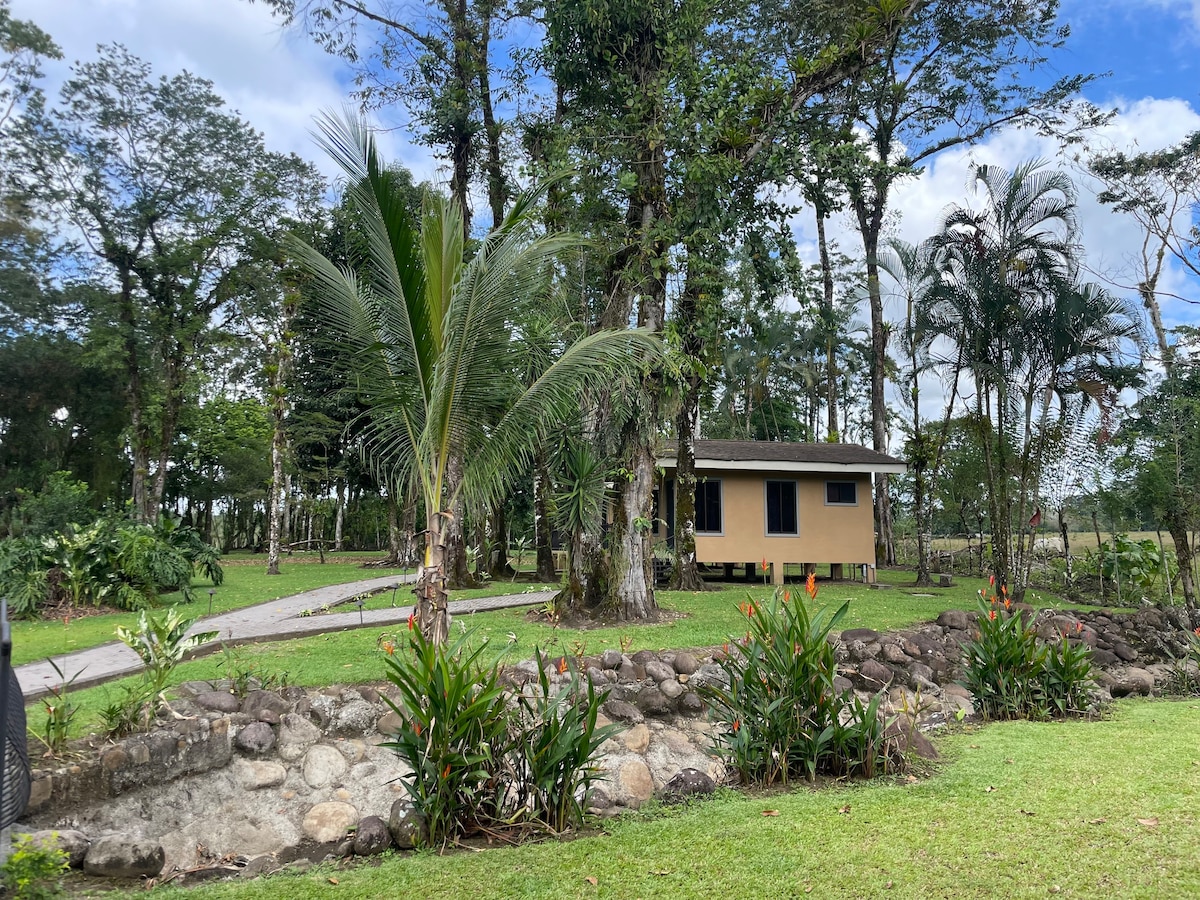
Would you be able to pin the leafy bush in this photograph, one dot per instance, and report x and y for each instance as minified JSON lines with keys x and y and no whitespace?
{"x":1140,"y":564}
{"x":161,"y":644}
{"x":107,"y":562}
{"x":33,"y":871}
{"x":784,"y":718}
{"x":1015,"y":675}
{"x":62,"y":503}
{"x":477,"y":759}
{"x":553,"y":739}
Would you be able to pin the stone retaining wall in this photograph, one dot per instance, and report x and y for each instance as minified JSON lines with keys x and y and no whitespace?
{"x":260,"y":778}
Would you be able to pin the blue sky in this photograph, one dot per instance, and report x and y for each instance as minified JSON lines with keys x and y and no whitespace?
{"x":278,"y":81}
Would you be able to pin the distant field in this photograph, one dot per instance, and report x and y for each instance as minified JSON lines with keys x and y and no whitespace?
{"x":1081,"y":541}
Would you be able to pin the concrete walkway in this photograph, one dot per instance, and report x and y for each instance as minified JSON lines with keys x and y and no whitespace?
{"x":276,"y":620}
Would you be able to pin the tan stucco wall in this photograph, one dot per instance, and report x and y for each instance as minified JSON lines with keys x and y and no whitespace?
{"x":827,"y":534}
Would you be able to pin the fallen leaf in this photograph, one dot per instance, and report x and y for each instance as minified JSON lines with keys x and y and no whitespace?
{"x":348,"y":665}
{"x":770,"y":812}
{"x":808,"y":889}
{"x":1097,"y":821}
{"x":1026,"y":812}
{"x":844,"y":810}
{"x":1008,"y":762}
{"x":661,"y":872}
{"x":989,"y":789}
{"x":1151,"y":822}
{"x":333,"y":881}
{"x":1054,"y":889}
{"x":973,"y":747}
{"x":591,"y":879}
{"x":888,"y":885}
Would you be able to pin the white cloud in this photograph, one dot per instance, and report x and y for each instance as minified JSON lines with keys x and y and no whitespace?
{"x":278,"y":81}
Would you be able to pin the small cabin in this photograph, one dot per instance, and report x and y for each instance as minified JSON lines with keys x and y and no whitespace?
{"x":808,"y":506}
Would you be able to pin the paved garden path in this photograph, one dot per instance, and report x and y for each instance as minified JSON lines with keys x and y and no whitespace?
{"x":276,"y":620}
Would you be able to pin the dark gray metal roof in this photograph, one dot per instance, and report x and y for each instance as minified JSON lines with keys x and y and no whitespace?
{"x":768,"y":452}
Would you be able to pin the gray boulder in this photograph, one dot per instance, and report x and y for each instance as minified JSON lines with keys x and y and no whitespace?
{"x":256,"y":738}
{"x":371,"y":836}
{"x":407,"y":826}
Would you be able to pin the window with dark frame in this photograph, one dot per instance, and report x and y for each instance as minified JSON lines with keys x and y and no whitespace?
{"x":781,"y":508}
{"x":708,"y":506}
{"x":841,"y":493}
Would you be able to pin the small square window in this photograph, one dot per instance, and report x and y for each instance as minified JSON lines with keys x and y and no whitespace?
{"x":841,"y":493}
{"x":781,"y":507}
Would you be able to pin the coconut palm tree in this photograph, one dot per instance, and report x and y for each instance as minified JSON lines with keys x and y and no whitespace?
{"x":435,"y":360}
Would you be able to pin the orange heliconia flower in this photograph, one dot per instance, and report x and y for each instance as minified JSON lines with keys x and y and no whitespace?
{"x":562,"y":665}
{"x":389,"y":648}
{"x":765,"y":566}
{"x":810,"y":585}
{"x":417,"y":728}
{"x":412,"y":621}
{"x":737,"y":723}
{"x":446,"y":771}
{"x":787,"y":595}
{"x":1007,"y":603}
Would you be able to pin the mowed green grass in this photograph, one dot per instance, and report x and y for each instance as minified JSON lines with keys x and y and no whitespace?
{"x":1017,"y":810}
{"x":704,"y":619}
{"x":246,"y":583}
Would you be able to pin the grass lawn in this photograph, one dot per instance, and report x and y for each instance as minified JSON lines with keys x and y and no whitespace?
{"x":1070,"y":809}
{"x":708,"y":619}
{"x":245,"y":584}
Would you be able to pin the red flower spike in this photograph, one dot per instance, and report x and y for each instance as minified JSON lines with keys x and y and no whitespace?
{"x":787,"y":595}
{"x":737,"y":723}
{"x":1196,"y":632}
{"x":765,"y":566}
{"x":992,"y":615}
{"x":991,"y":580}
{"x":1079,"y":628}
{"x":446,"y":771}
{"x":412,"y":621}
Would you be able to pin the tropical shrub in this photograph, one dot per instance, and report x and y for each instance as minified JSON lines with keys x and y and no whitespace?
{"x":478,"y":759}
{"x":161,"y":644}
{"x":106,"y":562}
{"x":784,"y":718}
{"x":1142,"y":565}
{"x":1013,"y":674}
{"x":553,"y":740}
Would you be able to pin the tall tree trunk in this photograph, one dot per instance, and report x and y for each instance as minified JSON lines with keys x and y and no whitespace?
{"x":831,"y":374}
{"x":340,"y":517}
{"x":498,"y":564}
{"x":395,"y":555}
{"x":1177,"y":527}
{"x":276,"y":497}
{"x":869,"y":212}
{"x":543,"y":532}
{"x":1066,"y":540}
{"x":686,"y":574}
{"x":433,"y":616}
{"x":497,"y":189}
{"x":456,"y":570}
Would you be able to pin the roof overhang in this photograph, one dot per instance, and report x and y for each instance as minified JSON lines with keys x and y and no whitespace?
{"x":760,"y":465}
